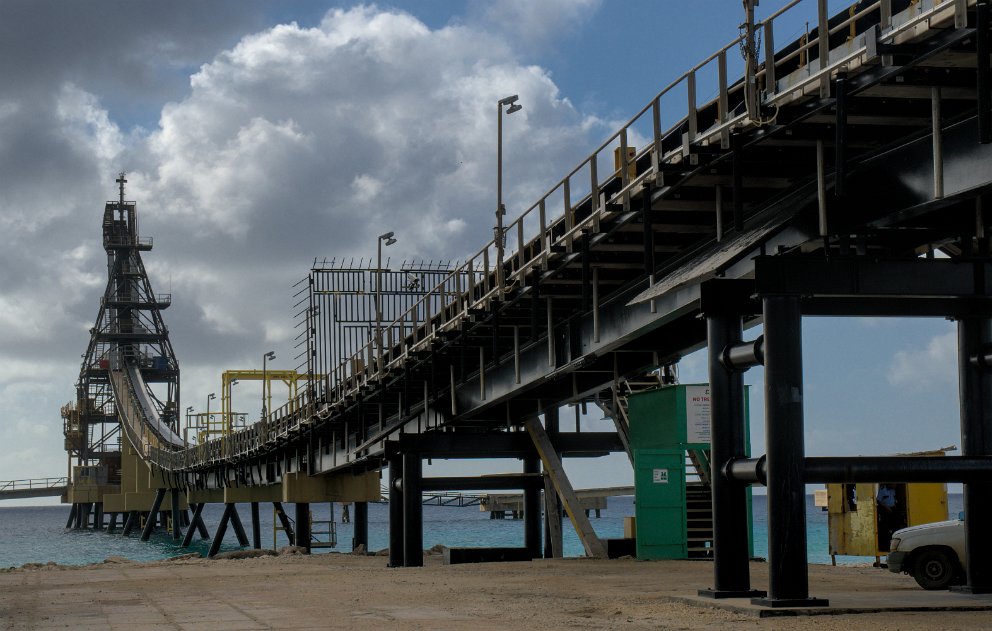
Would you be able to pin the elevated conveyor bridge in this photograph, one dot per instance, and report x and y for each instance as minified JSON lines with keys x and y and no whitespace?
{"x":845,"y":173}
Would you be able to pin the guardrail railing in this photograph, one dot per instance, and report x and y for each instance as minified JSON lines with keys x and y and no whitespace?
{"x":32,"y":483}
{"x":473,"y":285}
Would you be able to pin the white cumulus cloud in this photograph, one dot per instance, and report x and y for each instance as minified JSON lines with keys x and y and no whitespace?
{"x":934,"y":364}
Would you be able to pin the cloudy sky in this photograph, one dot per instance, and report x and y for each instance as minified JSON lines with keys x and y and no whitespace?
{"x":258,"y":135}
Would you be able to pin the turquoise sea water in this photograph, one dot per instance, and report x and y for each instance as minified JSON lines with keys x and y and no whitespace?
{"x":36,"y":534}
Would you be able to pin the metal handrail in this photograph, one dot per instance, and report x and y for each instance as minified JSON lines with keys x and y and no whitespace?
{"x":32,"y":483}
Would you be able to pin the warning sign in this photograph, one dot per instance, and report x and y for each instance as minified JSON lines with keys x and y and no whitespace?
{"x":660,"y":476}
{"x":697,"y":414}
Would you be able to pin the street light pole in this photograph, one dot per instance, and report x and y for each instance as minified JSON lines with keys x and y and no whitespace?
{"x":388,"y":238}
{"x":500,"y":209}
{"x":189,"y":411}
{"x":209,"y":398}
{"x":265,"y":381}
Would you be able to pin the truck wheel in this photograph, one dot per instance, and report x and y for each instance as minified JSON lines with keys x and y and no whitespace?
{"x":934,"y":569}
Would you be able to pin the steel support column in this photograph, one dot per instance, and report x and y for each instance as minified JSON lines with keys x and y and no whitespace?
{"x":72,"y":516}
{"x":177,"y":531}
{"x":302,"y":538}
{"x":840,"y":136}
{"x":788,"y":579}
{"x":983,"y":73}
{"x":98,"y":516}
{"x":146,"y":533}
{"x":112,"y":526}
{"x":552,"y":505}
{"x":287,"y":526}
{"x":130,"y":523}
{"x":975,"y":388}
{"x":395,"y":511}
{"x":360,"y":523}
{"x":413,"y":511}
{"x":737,"y":163}
{"x":239,"y":528}
{"x":195,"y":523}
{"x":532,"y":511}
{"x":221,"y":530}
{"x":256,"y":527}
{"x":728,"y":440}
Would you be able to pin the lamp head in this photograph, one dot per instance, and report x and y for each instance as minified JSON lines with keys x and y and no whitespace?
{"x":388,"y":235}
{"x":516,"y":107}
{"x":509,"y":100}
{"x":270,"y":355}
{"x":390,"y":241}
{"x":211,"y":396}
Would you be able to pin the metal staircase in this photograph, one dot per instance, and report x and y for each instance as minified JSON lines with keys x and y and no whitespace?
{"x":698,"y":492}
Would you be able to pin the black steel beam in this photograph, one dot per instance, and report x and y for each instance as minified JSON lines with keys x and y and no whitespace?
{"x":413,"y":511}
{"x":532,"y":508}
{"x":177,"y":531}
{"x":731,"y":573}
{"x":395,"y":510}
{"x":452,"y":445}
{"x":975,"y":393}
{"x":840,"y":135}
{"x":983,"y":75}
{"x":863,"y":277}
{"x":130,"y":523}
{"x":302,"y":535}
{"x":239,"y":528}
{"x":508,"y":482}
{"x":899,"y":469}
{"x":287,"y":525}
{"x":221,"y":531}
{"x":788,"y":580}
{"x":196,"y":522}
{"x":852,"y":470}
{"x":146,"y":533}
{"x":360,"y":521}
{"x":256,"y":527}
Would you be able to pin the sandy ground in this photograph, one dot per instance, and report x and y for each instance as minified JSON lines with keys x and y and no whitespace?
{"x":337,"y":591}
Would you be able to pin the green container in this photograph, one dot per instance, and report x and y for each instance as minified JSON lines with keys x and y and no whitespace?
{"x":664,"y":425}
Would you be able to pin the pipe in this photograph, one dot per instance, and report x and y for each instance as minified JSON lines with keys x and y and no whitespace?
{"x":743,"y":355}
{"x":746,"y":470}
{"x":900,"y":469}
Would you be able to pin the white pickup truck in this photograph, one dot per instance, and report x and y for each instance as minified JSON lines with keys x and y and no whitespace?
{"x":932,"y":553}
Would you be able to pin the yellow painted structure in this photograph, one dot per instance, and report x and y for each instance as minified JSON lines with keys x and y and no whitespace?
{"x":138,"y":485}
{"x":269,"y":493}
{"x":89,"y":485}
{"x":853,"y":513}
{"x":208,"y":425}
{"x":210,"y":496}
{"x":335,"y":487}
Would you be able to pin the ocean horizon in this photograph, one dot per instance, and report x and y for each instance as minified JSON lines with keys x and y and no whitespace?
{"x":36,"y":534}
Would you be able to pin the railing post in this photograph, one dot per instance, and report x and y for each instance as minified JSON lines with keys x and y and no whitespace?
{"x":544,"y":234}
{"x":723,"y":101}
{"x":569,"y":215}
{"x":624,"y":171}
{"x":657,"y":152}
{"x":823,"y":34}
{"x":769,"y":59}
